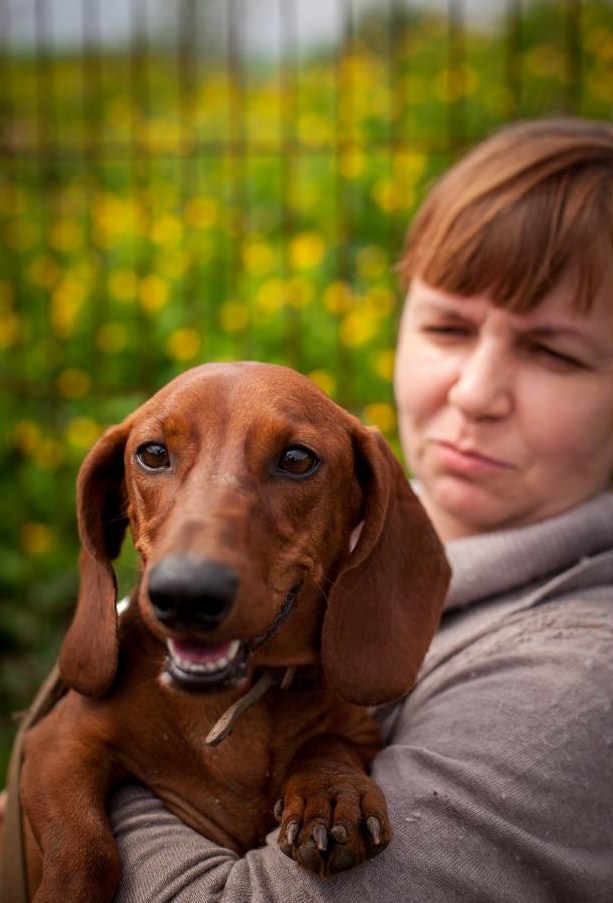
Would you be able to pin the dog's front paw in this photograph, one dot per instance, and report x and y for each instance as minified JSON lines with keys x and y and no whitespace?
{"x":333,"y":822}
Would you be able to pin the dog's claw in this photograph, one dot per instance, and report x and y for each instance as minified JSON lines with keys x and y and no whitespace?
{"x":339,"y":833}
{"x":291,"y":832}
{"x":374,"y":829}
{"x":320,"y":836}
{"x":278,"y":810}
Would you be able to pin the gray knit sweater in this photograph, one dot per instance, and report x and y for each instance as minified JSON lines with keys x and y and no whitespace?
{"x":497,"y":767}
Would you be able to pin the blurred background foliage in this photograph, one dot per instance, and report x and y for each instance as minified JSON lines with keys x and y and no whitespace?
{"x":181,"y":190}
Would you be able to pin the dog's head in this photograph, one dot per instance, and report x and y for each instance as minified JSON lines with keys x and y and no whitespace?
{"x":273,"y":530}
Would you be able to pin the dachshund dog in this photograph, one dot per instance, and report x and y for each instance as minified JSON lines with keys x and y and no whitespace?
{"x":289,"y":578}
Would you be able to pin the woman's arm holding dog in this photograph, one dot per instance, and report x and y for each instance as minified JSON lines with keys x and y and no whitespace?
{"x":493,"y":776}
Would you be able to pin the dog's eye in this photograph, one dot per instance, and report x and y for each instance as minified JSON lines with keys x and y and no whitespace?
{"x":153,"y":456}
{"x":298,"y":461}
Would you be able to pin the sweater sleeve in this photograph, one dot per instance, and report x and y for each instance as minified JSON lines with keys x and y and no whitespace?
{"x":497,"y":771}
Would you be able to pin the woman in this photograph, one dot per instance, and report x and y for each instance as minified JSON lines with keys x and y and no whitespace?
{"x":497,"y":767}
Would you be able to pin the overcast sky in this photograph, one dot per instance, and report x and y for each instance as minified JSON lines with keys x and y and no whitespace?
{"x":66,"y":22}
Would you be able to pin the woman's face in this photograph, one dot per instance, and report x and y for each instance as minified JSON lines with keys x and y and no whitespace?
{"x":505,"y":418}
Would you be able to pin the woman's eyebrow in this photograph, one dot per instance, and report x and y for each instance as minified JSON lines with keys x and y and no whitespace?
{"x":553,"y":331}
{"x":558,"y":330}
{"x":443,"y":308}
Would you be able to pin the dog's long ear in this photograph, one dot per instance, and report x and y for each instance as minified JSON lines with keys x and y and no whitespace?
{"x":88,"y":657}
{"x":386,"y":602}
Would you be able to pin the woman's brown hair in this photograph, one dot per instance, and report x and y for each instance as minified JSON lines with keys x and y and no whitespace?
{"x":529,"y":204}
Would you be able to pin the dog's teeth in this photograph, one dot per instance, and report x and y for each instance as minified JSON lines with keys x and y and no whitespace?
{"x":203,"y":667}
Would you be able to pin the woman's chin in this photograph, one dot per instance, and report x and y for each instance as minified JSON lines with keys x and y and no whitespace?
{"x":460,"y":508}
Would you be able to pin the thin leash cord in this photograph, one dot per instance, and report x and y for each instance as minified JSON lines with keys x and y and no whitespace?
{"x":13,"y":882}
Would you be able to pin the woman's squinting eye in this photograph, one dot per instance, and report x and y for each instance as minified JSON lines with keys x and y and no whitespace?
{"x":444,"y":329}
{"x":297,"y":461}
{"x":153,"y":456}
{"x":555,"y":357}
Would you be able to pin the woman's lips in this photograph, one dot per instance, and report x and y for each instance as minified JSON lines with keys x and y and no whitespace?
{"x":467,"y":460}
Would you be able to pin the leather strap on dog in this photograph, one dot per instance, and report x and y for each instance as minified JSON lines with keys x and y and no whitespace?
{"x":223,"y":728}
{"x":13,"y":884}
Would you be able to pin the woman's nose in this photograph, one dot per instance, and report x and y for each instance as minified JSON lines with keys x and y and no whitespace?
{"x":483,"y":386}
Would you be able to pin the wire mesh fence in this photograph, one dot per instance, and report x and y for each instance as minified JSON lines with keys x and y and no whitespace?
{"x":196,"y":180}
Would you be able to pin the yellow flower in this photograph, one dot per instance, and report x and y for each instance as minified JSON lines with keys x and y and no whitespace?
{"x":380,"y":302}
{"x":299,"y":291}
{"x":36,"y":538}
{"x":599,"y":86}
{"x":120,"y":113}
{"x":26,"y":435}
{"x":48,"y":454}
{"x":201,"y":213}
{"x":66,"y":235}
{"x":258,"y":257}
{"x":66,"y":302}
{"x":183,"y":344}
{"x":123,"y":285}
{"x":452,"y":85}
{"x":271,"y":296}
{"x":73,"y":383}
{"x":113,"y":219}
{"x":112,"y":337}
{"x":338,"y":297}
{"x":382,"y":415}
{"x":599,"y":40}
{"x":306,"y":250}
{"x":351,"y":164}
{"x":385,"y":194}
{"x":233,"y":317}
{"x":82,"y":432}
{"x":324,"y":380}
{"x":545,"y":61}
{"x":45,"y":271}
{"x":409,"y":164}
{"x":315,"y":130}
{"x":174,"y":264}
{"x":372,"y":262}
{"x":357,"y":328}
{"x":384,"y":364}
{"x":152,"y":293}
{"x":10,"y":330}
{"x":165,"y":136}
{"x":166,"y":230}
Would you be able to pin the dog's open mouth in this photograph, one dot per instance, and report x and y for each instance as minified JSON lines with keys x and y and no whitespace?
{"x":194,"y":665}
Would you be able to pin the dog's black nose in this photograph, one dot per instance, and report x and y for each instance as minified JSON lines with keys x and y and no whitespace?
{"x":191,"y":593}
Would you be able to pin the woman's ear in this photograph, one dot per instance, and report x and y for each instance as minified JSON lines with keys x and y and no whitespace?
{"x":88,"y":657}
{"x":386,"y":602}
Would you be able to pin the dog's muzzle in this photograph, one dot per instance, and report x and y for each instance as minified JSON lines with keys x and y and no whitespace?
{"x":191,"y":595}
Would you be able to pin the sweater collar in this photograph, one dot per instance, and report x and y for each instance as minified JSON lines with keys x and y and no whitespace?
{"x":503,"y":561}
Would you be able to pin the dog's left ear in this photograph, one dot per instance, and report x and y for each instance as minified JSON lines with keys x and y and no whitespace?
{"x":88,"y":657}
{"x":386,"y":602}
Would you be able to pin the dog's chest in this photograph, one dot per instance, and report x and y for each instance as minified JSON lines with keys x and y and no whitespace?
{"x":228,"y":792}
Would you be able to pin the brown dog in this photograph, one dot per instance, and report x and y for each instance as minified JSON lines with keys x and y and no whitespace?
{"x":281,"y":550}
